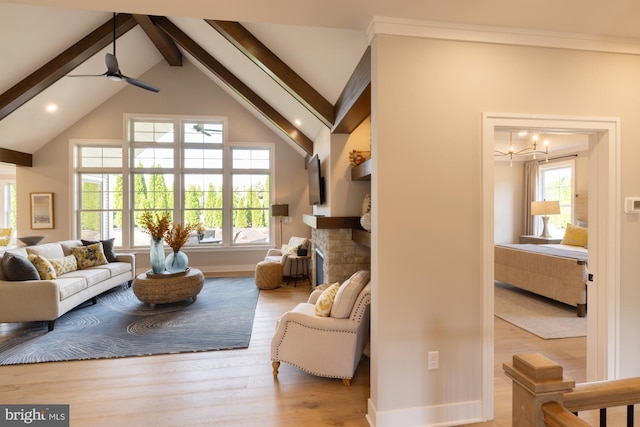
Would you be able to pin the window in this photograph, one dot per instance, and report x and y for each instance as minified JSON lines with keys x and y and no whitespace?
{"x":557,"y":183}
{"x":10,"y":205}
{"x":179,"y":165}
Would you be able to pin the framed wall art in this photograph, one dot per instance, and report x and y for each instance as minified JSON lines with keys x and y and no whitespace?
{"x":41,"y":211}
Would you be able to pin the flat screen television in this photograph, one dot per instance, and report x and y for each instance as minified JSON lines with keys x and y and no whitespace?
{"x":316,"y":181}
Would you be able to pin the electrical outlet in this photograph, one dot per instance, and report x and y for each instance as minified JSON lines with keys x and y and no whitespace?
{"x":433,"y":360}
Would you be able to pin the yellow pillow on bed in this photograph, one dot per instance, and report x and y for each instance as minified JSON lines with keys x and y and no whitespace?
{"x":575,"y":236}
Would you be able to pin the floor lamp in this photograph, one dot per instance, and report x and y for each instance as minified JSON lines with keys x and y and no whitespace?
{"x":544,"y":209}
{"x":280,"y":211}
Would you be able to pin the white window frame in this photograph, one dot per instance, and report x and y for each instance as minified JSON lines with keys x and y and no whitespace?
{"x":559,"y":164}
{"x":127,"y":171}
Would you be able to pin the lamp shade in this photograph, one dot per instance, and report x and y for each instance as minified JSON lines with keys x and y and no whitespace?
{"x":551,"y":207}
{"x":280,"y":210}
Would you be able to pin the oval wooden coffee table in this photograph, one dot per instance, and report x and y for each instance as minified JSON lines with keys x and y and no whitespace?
{"x":167,"y":288}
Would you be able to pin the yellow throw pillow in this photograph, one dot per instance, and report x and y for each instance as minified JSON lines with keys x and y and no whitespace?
{"x":64,"y":265}
{"x":89,"y":256}
{"x":575,"y":236}
{"x":325,"y":300}
{"x":44,"y":267}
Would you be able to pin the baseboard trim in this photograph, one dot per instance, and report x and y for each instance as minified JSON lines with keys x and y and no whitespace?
{"x":458,"y":413}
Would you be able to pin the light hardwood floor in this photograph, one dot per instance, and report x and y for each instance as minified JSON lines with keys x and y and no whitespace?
{"x":236,"y":387}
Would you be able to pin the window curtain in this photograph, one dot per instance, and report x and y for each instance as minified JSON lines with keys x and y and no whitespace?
{"x":531,"y":172}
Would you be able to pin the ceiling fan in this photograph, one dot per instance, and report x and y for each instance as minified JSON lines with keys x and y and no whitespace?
{"x":113,"y":70}
{"x":199,"y":127}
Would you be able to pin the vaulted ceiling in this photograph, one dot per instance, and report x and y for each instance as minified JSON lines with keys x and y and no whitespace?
{"x":318,"y":43}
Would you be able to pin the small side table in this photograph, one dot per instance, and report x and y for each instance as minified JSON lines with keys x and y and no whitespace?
{"x":301,"y":262}
{"x":172,"y":288}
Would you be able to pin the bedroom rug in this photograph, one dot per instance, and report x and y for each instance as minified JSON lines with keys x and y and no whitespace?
{"x":119,"y":325}
{"x":541,"y":316}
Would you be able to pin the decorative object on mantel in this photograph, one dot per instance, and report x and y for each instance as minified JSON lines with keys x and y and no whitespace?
{"x":365,"y":220}
{"x":156,"y":226}
{"x":357,"y":156}
{"x":176,"y":237}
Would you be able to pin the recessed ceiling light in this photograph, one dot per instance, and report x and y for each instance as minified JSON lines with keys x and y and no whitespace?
{"x":52,"y":108}
{"x":297,"y":122}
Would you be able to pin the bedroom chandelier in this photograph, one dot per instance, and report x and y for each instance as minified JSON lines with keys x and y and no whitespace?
{"x":532,"y":150}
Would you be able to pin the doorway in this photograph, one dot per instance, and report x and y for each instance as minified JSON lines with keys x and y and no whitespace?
{"x":604,"y":202}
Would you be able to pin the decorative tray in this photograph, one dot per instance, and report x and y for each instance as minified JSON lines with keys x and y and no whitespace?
{"x":165,"y":275}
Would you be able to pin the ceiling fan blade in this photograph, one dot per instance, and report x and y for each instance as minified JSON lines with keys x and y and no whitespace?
{"x":112,"y":64}
{"x":140,"y":84}
{"x":87,"y":75}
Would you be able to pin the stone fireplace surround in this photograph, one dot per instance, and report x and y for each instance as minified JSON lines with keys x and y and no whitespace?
{"x":342,"y":255}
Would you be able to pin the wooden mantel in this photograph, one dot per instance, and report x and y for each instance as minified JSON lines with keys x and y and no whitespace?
{"x":326,"y":222}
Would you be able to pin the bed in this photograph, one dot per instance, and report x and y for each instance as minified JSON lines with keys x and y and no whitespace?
{"x":556,"y":271}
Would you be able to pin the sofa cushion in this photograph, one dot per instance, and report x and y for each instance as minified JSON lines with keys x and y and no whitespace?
{"x":48,"y":250}
{"x":44,"y":267}
{"x":64,"y":265}
{"x":70,"y":286}
{"x":107,"y":248}
{"x":89,"y":256}
{"x":348,"y":293}
{"x":92,"y":275}
{"x":17,"y":267}
{"x":325,"y":300}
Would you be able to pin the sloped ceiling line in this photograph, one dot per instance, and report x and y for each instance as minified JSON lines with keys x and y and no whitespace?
{"x":62,"y":64}
{"x":275,"y":68}
{"x":234,"y":83}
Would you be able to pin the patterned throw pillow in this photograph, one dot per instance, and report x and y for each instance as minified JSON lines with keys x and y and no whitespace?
{"x":325,"y":300}
{"x":64,"y":265}
{"x":89,"y":256}
{"x":575,"y":236}
{"x":44,"y":267}
{"x":107,"y":248}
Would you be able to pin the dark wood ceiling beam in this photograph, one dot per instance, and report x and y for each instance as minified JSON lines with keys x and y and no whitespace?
{"x":234,"y":83}
{"x":275,"y":68}
{"x":161,"y":40}
{"x":62,"y":64}
{"x":354,"y":103}
{"x":16,"y":157}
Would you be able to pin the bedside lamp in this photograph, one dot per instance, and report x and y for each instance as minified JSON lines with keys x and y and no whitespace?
{"x":544,"y":209}
{"x":280,"y":211}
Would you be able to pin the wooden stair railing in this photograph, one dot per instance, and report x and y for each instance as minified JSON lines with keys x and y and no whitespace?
{"x":542,"y":396}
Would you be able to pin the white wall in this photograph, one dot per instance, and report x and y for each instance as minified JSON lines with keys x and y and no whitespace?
{"x":427,"y":100}
{"x":184,"y":90}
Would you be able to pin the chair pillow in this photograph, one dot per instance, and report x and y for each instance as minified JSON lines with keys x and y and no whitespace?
{"x":107,"y":247}
{"x":575,"y":236}
{"x":347,"y":294}
{"x":44,"y":267}
{"x":18,"y":268}
{"x":89,"y":256}
{"x":325,"y":301}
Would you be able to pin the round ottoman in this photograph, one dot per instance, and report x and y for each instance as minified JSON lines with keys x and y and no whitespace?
{"x":268,"y":275}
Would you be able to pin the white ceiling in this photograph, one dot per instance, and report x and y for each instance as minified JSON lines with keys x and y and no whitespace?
{"x":322,"y":41}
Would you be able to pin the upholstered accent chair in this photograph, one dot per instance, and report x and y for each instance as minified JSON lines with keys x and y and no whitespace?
{"x":282,"y":255}
{"x":327,"y":342}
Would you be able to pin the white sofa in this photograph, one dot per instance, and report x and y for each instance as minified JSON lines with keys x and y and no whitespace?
{"x":278,"y":255}
{"x":46,"y":300}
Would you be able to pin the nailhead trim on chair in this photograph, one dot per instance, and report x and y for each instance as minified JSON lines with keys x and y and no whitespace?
{"x":356,"y":316}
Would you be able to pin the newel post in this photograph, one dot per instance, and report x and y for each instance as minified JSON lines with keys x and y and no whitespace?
{"x":536,"y":380}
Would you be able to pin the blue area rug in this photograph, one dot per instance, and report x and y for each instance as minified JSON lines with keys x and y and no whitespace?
{"x":119,"y":325}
